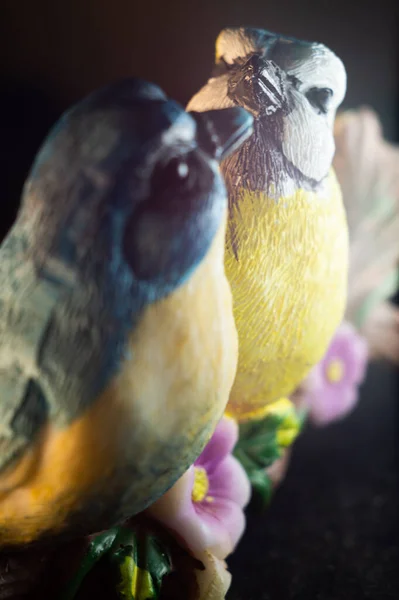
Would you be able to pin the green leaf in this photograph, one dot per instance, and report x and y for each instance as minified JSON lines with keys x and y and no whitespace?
{"x":246,"y":461}
{"x":140,"y":562}
{"x":261,"y":442}
{"x":98,"y":547}
{"x":156,"y":559}
{"x":137,"y":561}
{"x":262,"y":486}
{"x":257,"y":447}
{"x":141,"y":567}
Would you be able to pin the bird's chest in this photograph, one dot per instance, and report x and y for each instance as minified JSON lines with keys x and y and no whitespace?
{"x":184,"y":350}
{"x":287,"y":264}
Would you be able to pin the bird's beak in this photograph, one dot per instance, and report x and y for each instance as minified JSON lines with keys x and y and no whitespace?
{"x":221,"y":132}
{"x":259,"y":85}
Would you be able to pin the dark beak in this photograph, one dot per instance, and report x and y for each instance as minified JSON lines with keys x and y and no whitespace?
{"x":221,"y":132}
{"x":259,"y":86}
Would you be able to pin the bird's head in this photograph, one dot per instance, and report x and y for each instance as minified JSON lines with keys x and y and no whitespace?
{"x":126,"y":188}
{"x":293,"y":88}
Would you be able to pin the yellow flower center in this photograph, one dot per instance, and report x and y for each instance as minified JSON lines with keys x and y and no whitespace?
{"x":335,"y":371}
{"x":201,"y":485}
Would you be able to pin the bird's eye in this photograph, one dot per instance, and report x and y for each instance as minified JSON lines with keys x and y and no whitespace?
{"x":171,"y":175}
{"x":179,"y":182}
{"x":159,"y":237}
{"x":320,"y":99}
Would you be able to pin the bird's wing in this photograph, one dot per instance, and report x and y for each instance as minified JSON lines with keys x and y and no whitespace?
{"x":26,"y":306}
{"x":23,"y":410}
{"x":367,"y":168}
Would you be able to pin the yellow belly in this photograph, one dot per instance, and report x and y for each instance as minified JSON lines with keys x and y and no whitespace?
{"x":145,"y":429}
{"x":289,"y":290}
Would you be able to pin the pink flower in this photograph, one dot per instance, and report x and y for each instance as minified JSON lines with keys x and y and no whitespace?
{"x":331,"y":389}
{"x":205,"y":507}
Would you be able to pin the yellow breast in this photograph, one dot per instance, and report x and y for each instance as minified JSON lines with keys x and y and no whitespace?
{"x":144,"y":430}
{"x":289,"y":290}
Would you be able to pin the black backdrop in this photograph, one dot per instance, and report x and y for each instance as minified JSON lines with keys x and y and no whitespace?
{"x":52,"y":52}
{"x":332,"y":531}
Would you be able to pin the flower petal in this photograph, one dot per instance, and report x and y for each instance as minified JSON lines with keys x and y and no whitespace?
{"x":215,"y":525}
{"x":217,"y":522}
{"x":328,"y":400}
{"x":350,"y":348}
{"x":315,"y":381}
{"x":361,"y":351}
{"x":334,"y":405}
{"x":225,"y":524}
{"x":175,"y":508}
{"x":220,"y":445}
{"x":229,"y":481}
{"x":367,"y":167}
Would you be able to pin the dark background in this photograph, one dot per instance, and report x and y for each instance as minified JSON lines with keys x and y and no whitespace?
{"x":52,"y":52}
{"x":332,"y":531}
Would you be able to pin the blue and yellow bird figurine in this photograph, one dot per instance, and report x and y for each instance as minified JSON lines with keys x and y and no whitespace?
{"x":118,"y":345}
{"x":287,"y":240}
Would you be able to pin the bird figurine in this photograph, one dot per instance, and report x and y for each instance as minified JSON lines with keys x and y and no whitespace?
{"x":118,"y":346}
{"x":287,"y":240}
